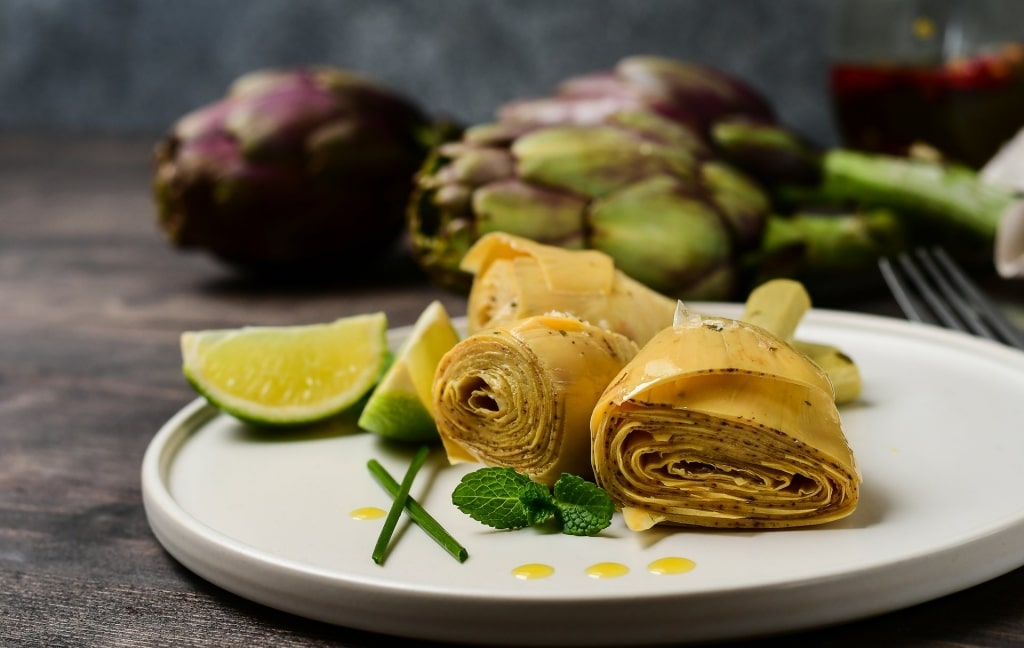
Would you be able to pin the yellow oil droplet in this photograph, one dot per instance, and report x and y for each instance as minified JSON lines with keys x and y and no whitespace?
{"x":367,"y":513}
{"x":671,"y":565}
{"x":607,"y":570}
{"x":533,"y":571}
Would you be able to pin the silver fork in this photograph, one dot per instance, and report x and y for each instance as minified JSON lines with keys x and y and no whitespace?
{"x":931,"y":288}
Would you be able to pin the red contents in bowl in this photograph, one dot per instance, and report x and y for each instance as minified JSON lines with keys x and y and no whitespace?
{"x":965,"y":108}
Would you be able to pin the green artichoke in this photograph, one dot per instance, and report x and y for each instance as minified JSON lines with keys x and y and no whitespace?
{"x":641,"y":187}
{"x":629,"y":162}
{"x":293,"y":167}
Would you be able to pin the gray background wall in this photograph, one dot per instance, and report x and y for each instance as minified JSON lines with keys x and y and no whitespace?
{"x":133,"y":66}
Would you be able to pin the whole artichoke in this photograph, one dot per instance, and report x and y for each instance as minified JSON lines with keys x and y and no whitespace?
{"x":294,"y":166}
{"x":618,"y":162}
{"x":670,"y":168}
{"x":640,"y":187}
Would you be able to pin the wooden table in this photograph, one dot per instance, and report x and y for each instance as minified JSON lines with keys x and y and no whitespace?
{"x":93,"y":301}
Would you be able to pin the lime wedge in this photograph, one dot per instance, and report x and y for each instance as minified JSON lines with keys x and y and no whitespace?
{"x":400,"y":406}
{"x":288,"y":375}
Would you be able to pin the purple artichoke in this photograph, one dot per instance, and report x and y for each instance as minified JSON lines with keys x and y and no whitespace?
{"x":292,"y":167}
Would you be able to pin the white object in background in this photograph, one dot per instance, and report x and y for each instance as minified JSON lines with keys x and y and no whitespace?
{"x":1006,"y":168}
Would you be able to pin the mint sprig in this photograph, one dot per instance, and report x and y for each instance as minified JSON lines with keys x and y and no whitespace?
{"x":502,"y":498}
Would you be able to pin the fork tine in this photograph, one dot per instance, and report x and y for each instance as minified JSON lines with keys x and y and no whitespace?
{"x":899,"y":291}
{"x":996,"y":317}
{"x":950,"y":297}
{"x":966,"y":314}
{"x":939,"y":307}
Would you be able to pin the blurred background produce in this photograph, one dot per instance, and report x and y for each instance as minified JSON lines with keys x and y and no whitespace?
{"x":769,"y":180}
{"x":949,"y":73}
{"x":294,"y":167}
{"x":619,"y":161}
{"x":682,"y":174}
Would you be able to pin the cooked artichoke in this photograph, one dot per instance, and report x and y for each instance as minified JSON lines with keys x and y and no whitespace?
{"x":719,"y":423}
{"x":294,"y":166}
{"x":521,"y":396}
{"x":515,"y":278}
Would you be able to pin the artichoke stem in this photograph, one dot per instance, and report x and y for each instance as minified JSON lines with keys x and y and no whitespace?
{"x":946,"y":195}
{"x":841,"y":370}
{"x":777,"y":306}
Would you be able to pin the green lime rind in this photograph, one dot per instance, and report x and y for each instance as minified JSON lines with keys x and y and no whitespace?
{"x":399,"y":416}
{"x":283,"y":419}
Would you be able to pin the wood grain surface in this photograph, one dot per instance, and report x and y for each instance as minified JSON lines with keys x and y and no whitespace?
{"x":93,"y":301}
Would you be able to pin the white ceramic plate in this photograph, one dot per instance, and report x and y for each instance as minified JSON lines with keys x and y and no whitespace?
{"x":939,"y":436}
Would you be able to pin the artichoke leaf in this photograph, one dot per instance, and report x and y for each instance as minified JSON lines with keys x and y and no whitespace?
{"x":515,"y":278}
{"x":595,"y":160}
{"x":663,"y":233}
{"x":539,"y":214}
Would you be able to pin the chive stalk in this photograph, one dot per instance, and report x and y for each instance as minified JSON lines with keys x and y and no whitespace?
{"x":398,"y":505}
{"x":419,"y":514}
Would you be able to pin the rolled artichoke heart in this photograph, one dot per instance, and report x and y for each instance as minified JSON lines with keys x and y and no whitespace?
{"x":515,"y":277}
{"x":521,"y":395}
{"x":718,"y":423}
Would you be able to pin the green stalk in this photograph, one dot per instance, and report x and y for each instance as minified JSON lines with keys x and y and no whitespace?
{"x":777,"y":306}
{"x":418,"y":514}
{"x":839,"y":367}
{"x":943,"y":192}
{"x":399,"y":503}
{"x":822,"y":242}
{"x":831,"y":254}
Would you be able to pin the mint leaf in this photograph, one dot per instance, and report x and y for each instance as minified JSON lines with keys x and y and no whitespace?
{"x":502,"y":498}
{"x":584,"y":509}
{"x":538,"y":502}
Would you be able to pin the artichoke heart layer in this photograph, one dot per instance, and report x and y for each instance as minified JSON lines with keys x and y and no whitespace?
{"x":521,"y":395}
{"x":718,"y":423}
{"x":515,"y":278}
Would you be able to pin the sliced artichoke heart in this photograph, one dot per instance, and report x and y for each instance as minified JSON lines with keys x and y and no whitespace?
{"x":587,"y":271}
{"x":517,"y":278}
{"x":521,"y":395}
{"x":718,"y":423}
